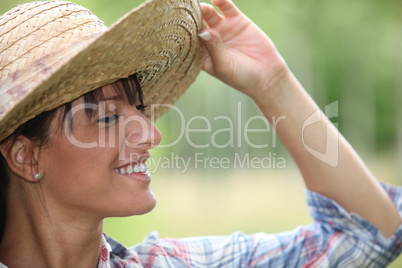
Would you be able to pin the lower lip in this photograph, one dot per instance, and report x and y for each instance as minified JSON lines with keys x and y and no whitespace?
{"x":140,"y":176}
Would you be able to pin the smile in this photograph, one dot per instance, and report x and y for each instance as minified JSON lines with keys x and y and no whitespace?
{"x":138,"y":168}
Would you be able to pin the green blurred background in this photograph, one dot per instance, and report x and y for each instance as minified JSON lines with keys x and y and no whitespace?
{"x":341,"y":51}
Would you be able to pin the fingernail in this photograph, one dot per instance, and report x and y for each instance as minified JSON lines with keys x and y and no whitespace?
{"x":206,"y":36}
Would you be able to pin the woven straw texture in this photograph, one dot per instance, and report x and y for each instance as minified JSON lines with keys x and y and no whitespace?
{"x":52,"y":52}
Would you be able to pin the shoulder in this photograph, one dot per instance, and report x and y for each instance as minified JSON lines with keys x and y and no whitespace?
{"x":235,"y":250}
{"x":151,"y":252}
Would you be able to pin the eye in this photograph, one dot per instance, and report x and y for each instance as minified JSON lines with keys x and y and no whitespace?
{"x":141,"y":107}
{"x":108,"y":119}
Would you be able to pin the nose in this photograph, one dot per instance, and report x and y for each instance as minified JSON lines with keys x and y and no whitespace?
{"x":140,"y":132}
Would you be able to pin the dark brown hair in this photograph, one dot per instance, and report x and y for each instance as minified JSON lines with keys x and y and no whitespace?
{"x":36,"y":130}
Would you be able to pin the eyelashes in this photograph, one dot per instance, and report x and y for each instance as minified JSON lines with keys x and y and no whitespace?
{"x":141,"y":107}
{"x":115,"y":117}
{"x":108,"y":119}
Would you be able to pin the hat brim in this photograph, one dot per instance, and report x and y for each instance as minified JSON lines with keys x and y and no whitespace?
{"x":158,"y":40}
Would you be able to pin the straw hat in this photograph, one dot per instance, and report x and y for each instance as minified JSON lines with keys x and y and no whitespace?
{"x":52,"y":52}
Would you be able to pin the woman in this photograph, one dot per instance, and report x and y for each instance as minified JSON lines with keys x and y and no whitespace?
{"x":74,"y":155}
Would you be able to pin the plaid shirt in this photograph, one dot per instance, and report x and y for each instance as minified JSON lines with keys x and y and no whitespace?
{"x":335,"y":239}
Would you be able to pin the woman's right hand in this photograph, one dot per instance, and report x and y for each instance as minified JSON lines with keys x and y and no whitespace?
{"x":239,"y":52}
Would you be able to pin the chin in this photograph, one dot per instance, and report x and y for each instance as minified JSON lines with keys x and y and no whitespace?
{"x":144,"y":206}
{"x":147,"y":209}
{"x":131,"y":205}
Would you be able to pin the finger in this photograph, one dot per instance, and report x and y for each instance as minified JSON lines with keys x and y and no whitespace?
{"x":207,"y":66}
{"x":210,"y":15}
{"x":227,"y":7}
{"x":219,"y":55}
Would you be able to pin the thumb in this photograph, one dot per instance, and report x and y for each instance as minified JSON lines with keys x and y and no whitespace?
{"x":219,"y":55}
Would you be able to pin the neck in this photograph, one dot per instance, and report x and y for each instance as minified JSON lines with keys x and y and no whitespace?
{"x":48,"y":239}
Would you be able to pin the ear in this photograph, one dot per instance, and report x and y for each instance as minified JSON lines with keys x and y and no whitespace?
{"x":21,"y":157}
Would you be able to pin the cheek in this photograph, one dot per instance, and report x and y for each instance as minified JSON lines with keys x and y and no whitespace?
{"x":71,"y":168}
{"x":64,"y":167}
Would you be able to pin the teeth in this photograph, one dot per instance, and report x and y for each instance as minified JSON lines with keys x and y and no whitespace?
{"x":136,"y":169}
{"x":130,"y":169}
{"x":143,"y":167}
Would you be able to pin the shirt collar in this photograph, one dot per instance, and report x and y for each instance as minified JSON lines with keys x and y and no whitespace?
{"x":104,"y":254}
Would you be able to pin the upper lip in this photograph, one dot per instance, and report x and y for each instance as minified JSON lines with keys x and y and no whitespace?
{"x":142,"y":159}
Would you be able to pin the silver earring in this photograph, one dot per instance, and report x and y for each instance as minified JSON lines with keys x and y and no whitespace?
{"x":37,"y":176}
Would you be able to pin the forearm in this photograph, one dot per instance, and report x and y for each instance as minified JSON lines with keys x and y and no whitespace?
{"x":246,"y":59}
{"x":337,"y":172}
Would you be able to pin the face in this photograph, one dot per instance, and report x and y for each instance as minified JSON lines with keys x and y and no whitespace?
{"x":97,"y":167}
